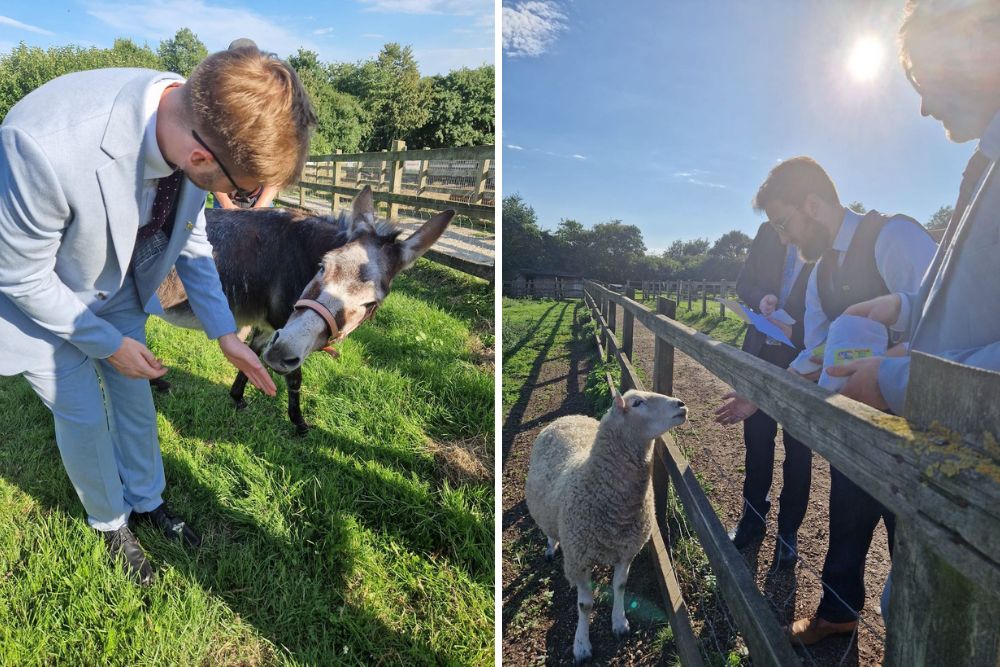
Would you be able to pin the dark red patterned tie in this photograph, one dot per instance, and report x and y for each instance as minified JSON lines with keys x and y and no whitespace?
{"x":163,"y":206}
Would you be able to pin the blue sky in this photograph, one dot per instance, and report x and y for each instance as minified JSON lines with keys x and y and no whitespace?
{"x":668,"y":115}
{"x":444,"y":34}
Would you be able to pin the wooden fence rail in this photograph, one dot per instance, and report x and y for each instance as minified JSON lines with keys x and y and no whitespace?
{"x":406,"y":182}
{"x":944,"y":487}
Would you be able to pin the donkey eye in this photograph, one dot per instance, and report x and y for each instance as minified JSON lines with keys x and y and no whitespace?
{"x":637,"y":402}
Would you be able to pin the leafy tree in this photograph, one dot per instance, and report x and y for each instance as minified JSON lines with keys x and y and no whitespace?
{"x":732,"y":245}
{"x":857,"y":207}
{"x":392,"y":92}
{"x":28,"y":67}
{"x":341,"y":121}
{"x":522,"y":237}
{"x":680,"y":249}
{"x":461,"y":109}
{"x":182,"y":53}
{"x":941,"y":218}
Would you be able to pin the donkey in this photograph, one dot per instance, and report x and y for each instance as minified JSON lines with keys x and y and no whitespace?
{"x":303,"y":282}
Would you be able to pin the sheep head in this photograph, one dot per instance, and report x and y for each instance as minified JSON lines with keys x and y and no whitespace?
{"x":646,"y":414}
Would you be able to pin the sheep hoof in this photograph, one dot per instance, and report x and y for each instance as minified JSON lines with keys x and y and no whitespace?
{"x":240,"y":403}
{"x":620,"y":629}
{"x":160,"y":385}
{"x":581,"y":658}
{"x":302,"y":429}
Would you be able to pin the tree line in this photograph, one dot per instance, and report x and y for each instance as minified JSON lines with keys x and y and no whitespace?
{"x":360,"y":106}
{"x":614,"y":251}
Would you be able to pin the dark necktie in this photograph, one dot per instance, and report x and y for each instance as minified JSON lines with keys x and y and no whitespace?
{"x":166,"y":195}
{"x":970,"y":178}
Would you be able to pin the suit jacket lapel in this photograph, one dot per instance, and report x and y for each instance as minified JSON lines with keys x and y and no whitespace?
{"x":121,"y":179}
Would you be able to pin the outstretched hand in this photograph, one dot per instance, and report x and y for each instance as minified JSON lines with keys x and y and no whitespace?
{"x":736,"y":410}
{"x":246,"y":360}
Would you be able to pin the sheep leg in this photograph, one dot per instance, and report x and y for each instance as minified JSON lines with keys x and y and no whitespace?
{"x":237,"y":390}
{"x":584,"y":604}
{"x":550,"y":550}
{"x":619,"y":624}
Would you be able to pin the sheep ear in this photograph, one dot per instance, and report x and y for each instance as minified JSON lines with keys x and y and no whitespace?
{"x":619,"y":401}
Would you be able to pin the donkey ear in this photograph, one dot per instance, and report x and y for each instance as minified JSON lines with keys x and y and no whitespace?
{"x":363,"y":212}
{"x":422,"y":239}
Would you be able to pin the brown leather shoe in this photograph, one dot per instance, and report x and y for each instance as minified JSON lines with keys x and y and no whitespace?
{"x":808,"y":631}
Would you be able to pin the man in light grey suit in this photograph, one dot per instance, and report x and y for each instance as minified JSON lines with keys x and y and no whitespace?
{"x":951,"y":55}
{"x":103,"y":178}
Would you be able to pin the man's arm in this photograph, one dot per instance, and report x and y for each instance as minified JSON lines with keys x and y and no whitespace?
{"x":753,"y":283}
{"x":894,"y":373}
{"x":33,"y":216}
{"x":266,"y":197}
{"x":197,"y":271}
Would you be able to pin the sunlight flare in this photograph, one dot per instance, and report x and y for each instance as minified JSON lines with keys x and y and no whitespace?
{"x":866,"y":58}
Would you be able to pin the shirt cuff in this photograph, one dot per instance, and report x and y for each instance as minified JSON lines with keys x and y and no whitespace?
{"x":893,"y":376}
{"x":903,"y":321}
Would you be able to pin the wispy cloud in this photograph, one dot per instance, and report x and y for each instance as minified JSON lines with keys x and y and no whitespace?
{"x":694,"y":177}
{"x":530,"y":28}
{"x":323,"y":31}
{"x":373,"y":35}
{"x":457,"y":7}
{"x":4,"y":20}
{"x":579,"y":157}
{"x":515,"y":147}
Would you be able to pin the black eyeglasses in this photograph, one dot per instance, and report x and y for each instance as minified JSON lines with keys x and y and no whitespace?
{"x":240,"y":191}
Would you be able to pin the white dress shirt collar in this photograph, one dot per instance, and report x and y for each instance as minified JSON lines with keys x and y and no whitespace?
{"x":154,"y":164}
{"x":846,"y":232}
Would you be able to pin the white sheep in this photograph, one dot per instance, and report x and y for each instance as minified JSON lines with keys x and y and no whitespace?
{"x":589,"y":490}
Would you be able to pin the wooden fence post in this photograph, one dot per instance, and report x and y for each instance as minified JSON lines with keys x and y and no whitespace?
{"x":937,"y":615}
{"x":628,"y":322}
{"x":612,"y":312}
{"x":482,"y":174}
{"x":704,"y":297}
{"x":723,"y":294}
{"x":335,"y":199}
{"x":604,"y":314}
{"x":690,"y":288}
{"x":396,"y":177}
{"x":663,"y":383}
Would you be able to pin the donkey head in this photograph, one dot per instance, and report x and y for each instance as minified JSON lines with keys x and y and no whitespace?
{"x":351,"y":283}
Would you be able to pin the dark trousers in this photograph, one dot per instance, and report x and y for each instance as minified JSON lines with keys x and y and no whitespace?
{"x":854,"y":514}
{"x":759,"y":432}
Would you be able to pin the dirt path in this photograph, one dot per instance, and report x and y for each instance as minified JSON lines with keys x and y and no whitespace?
{"x":716,"y":454}
{"x":539,"y":608}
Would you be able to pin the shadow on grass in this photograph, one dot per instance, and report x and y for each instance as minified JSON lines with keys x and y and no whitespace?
{"x":291,"y":583}
{"x":580,"y":356}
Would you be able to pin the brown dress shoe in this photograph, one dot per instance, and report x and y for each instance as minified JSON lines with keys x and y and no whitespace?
{"x":808,"y":631}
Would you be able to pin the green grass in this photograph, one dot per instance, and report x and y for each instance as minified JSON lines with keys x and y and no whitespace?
{"x":369,"y":541}
{"x":533,"y":330}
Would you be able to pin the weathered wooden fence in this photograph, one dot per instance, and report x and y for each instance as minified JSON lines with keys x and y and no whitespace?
{"x":938,"y":471}
{"x":544,"y":287}
{"x":690,"y":291}
{"x":406,"y":183}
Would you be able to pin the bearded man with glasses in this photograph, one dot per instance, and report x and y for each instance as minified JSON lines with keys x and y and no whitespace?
{"x":103,"y":179}
{"x":860,"y":257}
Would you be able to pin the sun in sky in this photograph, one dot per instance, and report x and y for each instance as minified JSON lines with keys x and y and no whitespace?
{"x":866,"y":58}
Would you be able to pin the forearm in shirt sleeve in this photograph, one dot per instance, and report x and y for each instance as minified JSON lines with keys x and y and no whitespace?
{"x":894,"y":372}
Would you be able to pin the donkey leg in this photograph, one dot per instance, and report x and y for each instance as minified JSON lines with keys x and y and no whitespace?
{"x":294,"y":383}
{"x":160,"y":385}
{"x":238,"y":389}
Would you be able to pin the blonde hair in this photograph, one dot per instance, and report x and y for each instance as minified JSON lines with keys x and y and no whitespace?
{"x":964,"y":35}
{"x":253,"y":107}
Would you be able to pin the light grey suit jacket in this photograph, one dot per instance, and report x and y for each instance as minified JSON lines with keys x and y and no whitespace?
{"x":71,"y":176}
{"x":954,"y":314}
